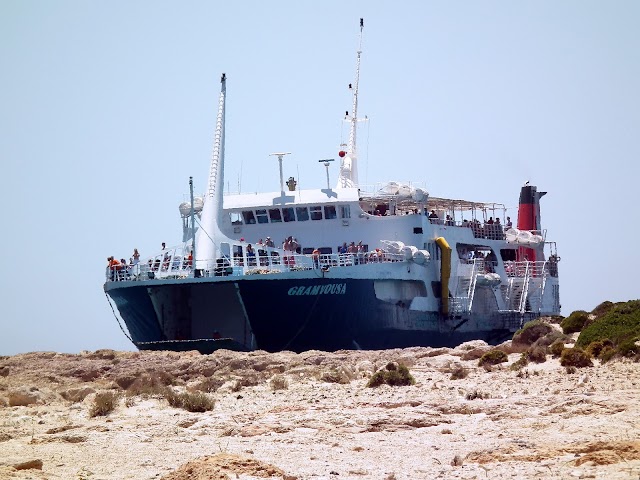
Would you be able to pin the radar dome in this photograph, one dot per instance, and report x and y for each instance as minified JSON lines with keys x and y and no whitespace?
{"x":198,"y":203}
{"x":185,"y":209}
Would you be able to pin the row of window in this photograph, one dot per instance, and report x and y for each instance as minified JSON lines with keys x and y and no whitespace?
{"x":289,"y":214}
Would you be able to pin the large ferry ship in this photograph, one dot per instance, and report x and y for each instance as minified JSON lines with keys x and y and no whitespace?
{"x":337,"y":267}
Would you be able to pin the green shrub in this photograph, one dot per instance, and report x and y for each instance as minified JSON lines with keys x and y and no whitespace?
{"x":595,"y":348}
{"x":279,"y":382}
{"x":393,"y":374}
{"x":619,"y":324}
{"x":574,"y":322}
{"x":532,"y":331}
{"x":458,"y":372}
{"x":522,"y":362}
{"x":192,"y":402}
{"x":209,"y":384}
{"x":575,"y":357}
{"x":607,"y":354}
{"x":556,"y":348}
{"x":628,"y":348}
{"x":335,"y":375}
{"x":197,"y":402}
{"x":603,"y":308}
{"x":103,"y":404}
{"x":537,"y":354}
{"x":149,"y":384}
{"x":550,"y":338}
{"x":493,"y":357}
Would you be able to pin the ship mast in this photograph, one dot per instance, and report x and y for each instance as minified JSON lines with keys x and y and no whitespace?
{"x":209,"y":235}
{"x":349,"y":164}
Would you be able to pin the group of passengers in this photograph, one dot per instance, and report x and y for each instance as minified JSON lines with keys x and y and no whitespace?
{"x":488,"y":260}
{"x":353,"y":254}
{"x":120,"y":269}
{"x":491,"y":229}
{"x":290,"y":246}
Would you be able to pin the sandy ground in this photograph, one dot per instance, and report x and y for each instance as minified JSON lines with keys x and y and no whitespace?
{"x":541,"y":423}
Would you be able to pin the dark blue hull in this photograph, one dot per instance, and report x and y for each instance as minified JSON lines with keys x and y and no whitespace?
{"x":276,"y":314}
{"x":336,"y":314}
{"x":182,"y":315}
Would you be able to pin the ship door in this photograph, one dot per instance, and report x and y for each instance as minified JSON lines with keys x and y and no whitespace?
{"x":225,"y":250}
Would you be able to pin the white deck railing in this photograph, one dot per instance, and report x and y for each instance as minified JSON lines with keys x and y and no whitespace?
{"x":248,"y":265}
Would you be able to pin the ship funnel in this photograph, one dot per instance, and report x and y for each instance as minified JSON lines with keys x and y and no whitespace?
{"x":529,"y":217}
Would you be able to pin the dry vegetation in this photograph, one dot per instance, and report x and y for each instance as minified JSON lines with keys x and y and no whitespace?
{"x":524,"y":409}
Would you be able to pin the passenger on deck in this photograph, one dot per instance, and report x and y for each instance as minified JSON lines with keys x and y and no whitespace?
{"x":289,"y":248}
{"x":316,"y":258}
{"x":114,"y":266}
{"x":352,"y":248}
{"x":269,"y":242}
{"x":251,"y":256}
{"x":433,"y":217}
{"x":361,"y":253}
{"x":497,"y":230}
{"x":509,"y":224}
{"x":263,"y":258}
{"x":136,"y":256}
{"x":124,"y":269}
{"x":477,"y":228}
{"x":488,"y":229}
{"x":449,"y":221}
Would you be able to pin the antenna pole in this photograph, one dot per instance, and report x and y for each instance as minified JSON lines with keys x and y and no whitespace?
{"x":349,"y":163}
{"x":193,"y":226}
{"x":327,"y":162}
{"x":354,"y":117}
{"x":280,"y":155}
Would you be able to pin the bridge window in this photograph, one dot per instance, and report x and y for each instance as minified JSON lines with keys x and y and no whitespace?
{"x":261,"y":215}
{"x":302,"y":213}
{"x":274,"y":215}
{"x":345,"y":211}
{"x":288,"y":215}
{"x":330,"y":212}
{"x":316,"y":213}
{"x":236,"y":218}
{"x":248,"y":217}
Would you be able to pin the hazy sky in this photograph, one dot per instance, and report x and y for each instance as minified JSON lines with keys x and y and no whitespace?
{"x":107,"y":108}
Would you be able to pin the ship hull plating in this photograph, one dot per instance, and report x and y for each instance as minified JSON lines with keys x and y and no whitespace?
{"x":287,"y":314}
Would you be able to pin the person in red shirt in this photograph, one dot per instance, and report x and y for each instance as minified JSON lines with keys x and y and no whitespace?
{"x":114,"y":267}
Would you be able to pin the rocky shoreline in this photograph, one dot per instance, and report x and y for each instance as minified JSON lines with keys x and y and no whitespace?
{"x":311,"y":416}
